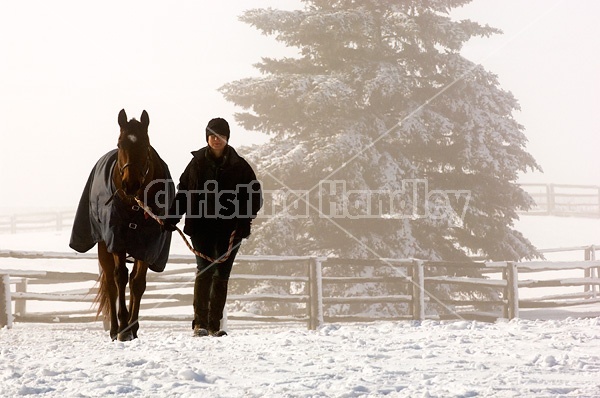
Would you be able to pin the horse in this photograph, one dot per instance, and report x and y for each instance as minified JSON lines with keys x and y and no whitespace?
{"x":109,"y":215}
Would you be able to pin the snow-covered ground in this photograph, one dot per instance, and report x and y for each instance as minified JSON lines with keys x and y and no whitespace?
{"x":520,"y":358}
{"x":395,"y":359}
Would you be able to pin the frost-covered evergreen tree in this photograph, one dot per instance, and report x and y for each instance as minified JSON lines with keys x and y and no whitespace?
{"x":400,"y":145}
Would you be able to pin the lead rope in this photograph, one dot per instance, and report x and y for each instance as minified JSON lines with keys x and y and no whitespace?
{"x":221,"y":259}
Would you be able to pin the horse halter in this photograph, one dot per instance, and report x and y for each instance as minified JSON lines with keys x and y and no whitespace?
{"x":120,"y":192}
{"x":126,"y":165}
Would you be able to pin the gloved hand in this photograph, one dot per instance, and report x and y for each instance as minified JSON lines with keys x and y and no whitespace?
{"x":243,"y":228}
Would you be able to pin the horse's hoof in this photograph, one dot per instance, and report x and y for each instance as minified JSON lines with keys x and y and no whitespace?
{"x":125,"y":336}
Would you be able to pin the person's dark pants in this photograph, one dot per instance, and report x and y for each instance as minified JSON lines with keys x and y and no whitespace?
{"x":210,"y":287}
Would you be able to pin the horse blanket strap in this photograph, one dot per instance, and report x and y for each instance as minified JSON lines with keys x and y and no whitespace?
{"x":219,"y":260}
{"x":114,"y":222}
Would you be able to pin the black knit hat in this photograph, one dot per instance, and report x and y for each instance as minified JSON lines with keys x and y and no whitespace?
{"x":217,"y":126}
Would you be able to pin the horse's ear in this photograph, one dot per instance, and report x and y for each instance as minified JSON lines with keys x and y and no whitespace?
{"x":122,"y":118}
{"x":145,"y":119}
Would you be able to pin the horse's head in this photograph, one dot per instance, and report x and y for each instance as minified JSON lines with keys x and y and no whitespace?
{"x":134,"y":155}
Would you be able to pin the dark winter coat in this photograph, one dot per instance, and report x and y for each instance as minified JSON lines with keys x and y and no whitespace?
{"x":117,"y":224}
{"x":217,"y":195}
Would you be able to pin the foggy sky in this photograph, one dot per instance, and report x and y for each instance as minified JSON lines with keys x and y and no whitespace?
{"x":68,"y":67}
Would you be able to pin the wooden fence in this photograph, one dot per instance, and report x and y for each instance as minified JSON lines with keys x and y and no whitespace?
{"x":564,"y":200}
{"x":38,"y":221}
{"x":308,"y":288}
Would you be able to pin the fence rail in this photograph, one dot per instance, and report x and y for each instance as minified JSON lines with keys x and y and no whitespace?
{"x":309,"y":288}
{"x":564,"y":200}
{"x":39,"y":221}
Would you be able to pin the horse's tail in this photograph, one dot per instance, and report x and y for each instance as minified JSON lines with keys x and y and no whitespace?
{"x":102,"y":299}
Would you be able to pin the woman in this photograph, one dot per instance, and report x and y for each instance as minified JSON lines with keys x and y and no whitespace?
{"x":220,"y":196}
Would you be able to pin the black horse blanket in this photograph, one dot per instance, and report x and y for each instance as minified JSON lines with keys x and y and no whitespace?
{"x":122,"y":227}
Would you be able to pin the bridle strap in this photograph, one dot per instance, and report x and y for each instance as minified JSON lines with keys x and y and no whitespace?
{"x":126,"y":165}
{"x":120,"y":192}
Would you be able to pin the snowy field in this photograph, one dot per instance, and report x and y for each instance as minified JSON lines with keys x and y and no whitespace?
{"x":400,"y":359}
{"x":394,"y":359}
{"x":520,"y":358}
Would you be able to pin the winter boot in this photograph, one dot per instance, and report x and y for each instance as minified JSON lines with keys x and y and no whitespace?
{"x":201,"y":297}
{"x":218,"y":333}
{"x":200,"y":332}
{"x":218,"y":298}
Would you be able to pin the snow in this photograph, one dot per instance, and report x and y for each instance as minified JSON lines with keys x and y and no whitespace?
{"x":518,"y":358}
{"x":397,"y":359}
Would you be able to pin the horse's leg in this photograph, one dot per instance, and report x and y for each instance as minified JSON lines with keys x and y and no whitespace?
{"x":121,"y":278}
{"x":108,"y":287}
{"x":137,"y":287}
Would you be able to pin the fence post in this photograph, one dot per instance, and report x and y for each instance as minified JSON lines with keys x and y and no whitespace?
{"x":6,"y":318}
{"x":587,"y":272}
{"x":550,"y":199}
{"x":21,"y":305}
{"x":597,"y":269}
{"x":315,"y":294}
{"x":418,"y":290}
{"x":505,"y":295}
{"x":590,"y":273}
{"x":511,"y":275}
